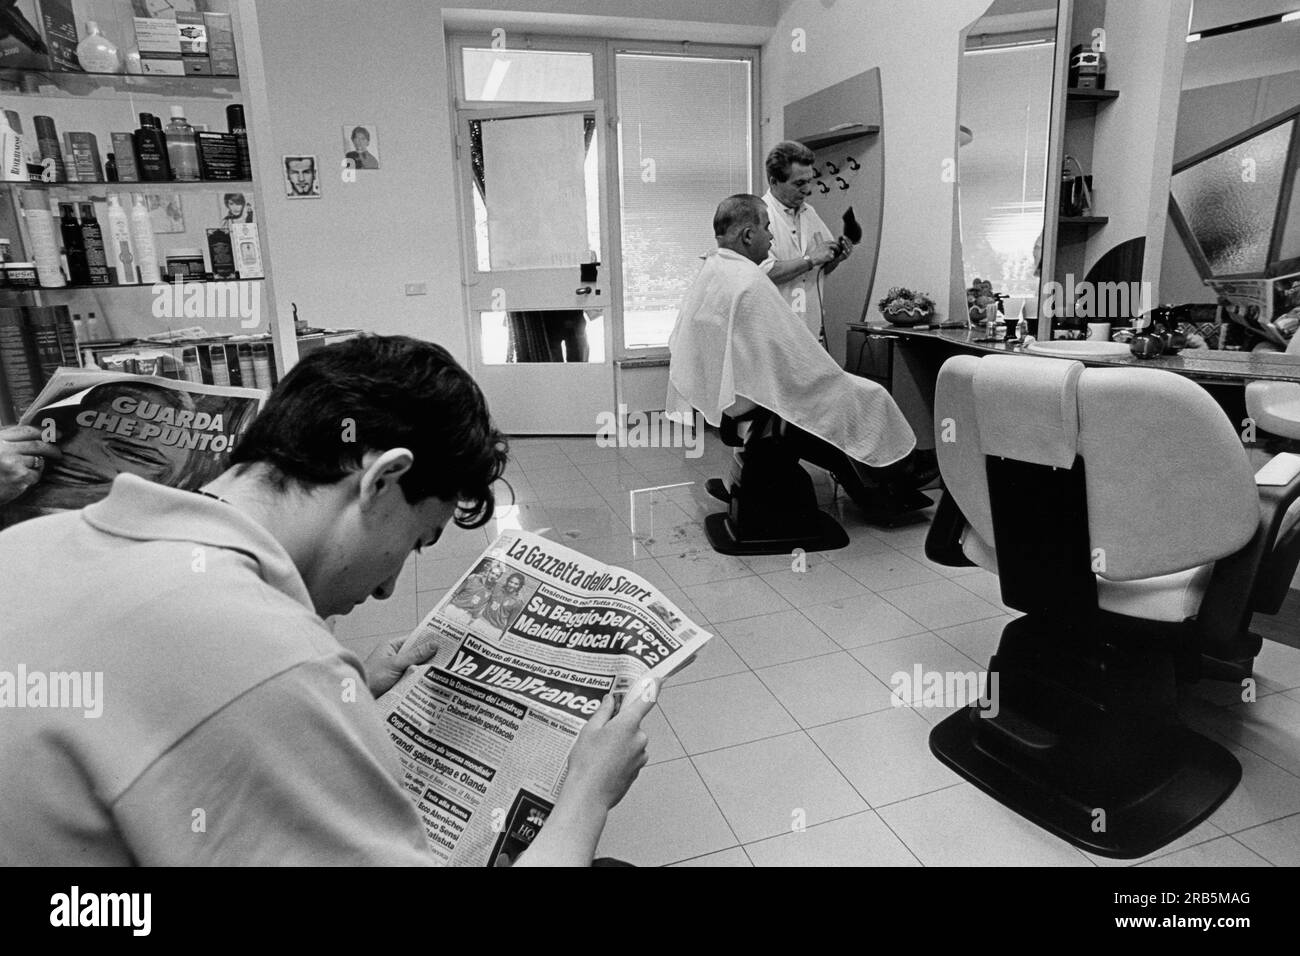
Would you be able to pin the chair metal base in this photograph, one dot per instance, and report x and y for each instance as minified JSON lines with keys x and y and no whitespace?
{"x":1118,"y":818}
{"x":1082,"y":735}
{"x":824,"y":533}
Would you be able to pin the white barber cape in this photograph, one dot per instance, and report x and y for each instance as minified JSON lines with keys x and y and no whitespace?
{"x":734,"y":338}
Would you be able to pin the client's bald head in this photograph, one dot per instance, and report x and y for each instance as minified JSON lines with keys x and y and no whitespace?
{"x":741,"y":225}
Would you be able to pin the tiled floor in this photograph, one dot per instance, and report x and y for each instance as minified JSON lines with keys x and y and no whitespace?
{"x":779,"y":745}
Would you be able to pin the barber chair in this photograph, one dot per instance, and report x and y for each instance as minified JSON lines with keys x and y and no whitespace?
{"x":1138,"y":546}
{"x":771,"y":503}
{"x":1275,"y":406}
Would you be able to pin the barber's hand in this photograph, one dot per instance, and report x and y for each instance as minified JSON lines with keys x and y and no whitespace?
{"x":823,"y":252}
{"x":388,"y":662}
{"x":22,"y":459}
{"x":845,"y":248}
{"x":611,"y":750}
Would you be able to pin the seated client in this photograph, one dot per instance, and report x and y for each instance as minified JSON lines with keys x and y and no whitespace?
{"x":734,"y":347}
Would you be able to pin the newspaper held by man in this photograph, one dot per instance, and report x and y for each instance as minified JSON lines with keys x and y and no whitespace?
{"x":179,"y":434}
{"x":524,"y":648}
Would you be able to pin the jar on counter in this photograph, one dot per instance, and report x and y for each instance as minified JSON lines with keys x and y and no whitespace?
{"x":185,"y":264}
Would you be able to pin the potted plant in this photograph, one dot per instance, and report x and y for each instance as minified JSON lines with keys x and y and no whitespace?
{"x":902,"y":306}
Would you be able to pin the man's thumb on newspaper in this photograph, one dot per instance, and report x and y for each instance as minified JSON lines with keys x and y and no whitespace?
{"x":639,"y":700}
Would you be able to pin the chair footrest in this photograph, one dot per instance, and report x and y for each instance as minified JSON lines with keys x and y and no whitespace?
{"x":1111,"y":815}
{"x":824,"y":534}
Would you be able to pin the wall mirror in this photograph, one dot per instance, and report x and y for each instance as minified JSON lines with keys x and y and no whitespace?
{"x":1004,"y":110}
{"x":1234,"y":209}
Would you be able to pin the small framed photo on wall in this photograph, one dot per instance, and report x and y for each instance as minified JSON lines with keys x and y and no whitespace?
{"x":301,"y":177}
{"x":361,"y":146}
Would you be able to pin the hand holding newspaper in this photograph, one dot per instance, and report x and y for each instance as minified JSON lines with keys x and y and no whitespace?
{"x":524,"y":649}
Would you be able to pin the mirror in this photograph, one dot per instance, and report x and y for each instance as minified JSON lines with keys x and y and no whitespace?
{"x":1234,"y":209}
{"x":1004,"y":110}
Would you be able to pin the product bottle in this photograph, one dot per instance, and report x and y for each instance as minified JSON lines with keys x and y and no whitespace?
{"x":48,"y":151}
{"x":74,"y":246}
{"x":235,"y":123}
{"x":182,"y":150}
{"x":121,"y":254}
{"x":5,"y":259}
{"x":96,"y":53}
{"x":45,"y":247}
{"x":13,"y":153}
{"x":151,"y":151}
{"x":146,"y":251}
{"x":110,"y":168}
{"x":92,"y":237}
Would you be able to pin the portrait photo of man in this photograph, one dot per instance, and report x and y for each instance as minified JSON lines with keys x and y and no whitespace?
{"x":361,"y":146}
{"x":301,"y":177}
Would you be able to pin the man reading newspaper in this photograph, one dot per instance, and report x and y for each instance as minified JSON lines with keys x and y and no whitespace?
{"x":170,"y":692}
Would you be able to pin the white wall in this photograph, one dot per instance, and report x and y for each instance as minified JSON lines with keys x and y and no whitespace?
{"x":1133,"y":149}
{"x":916,"y":45}
{"x":345,"y":258}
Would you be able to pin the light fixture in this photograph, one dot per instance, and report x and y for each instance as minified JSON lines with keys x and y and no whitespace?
{"x":1244,"y":25}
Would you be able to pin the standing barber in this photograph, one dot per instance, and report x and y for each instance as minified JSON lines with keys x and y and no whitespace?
{"x":802,"y":247}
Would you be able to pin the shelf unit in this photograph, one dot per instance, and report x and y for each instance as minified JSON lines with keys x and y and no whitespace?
{"x":103,"y":103}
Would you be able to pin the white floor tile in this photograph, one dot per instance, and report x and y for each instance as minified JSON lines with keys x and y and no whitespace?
{"x":667,"y":815}
{"x":823,"y":689}
{"x":731,"y":600}
{"x":859,"y":840}
{"x":1278,"y":842}
{"x":887,"y":569}
{"x":940,"y":604}
{"x":818,"y":584}
{"x":1225,"y":851}
{"x":723,"y":712}
{"x":1266,"y":793}
{"x":702,"y":567}
{"x":717,"y":659}
{"x":776,"y":638}
{"x":885,"y":755}
{"x":978,"y":640}
{"x":759,"y":803}
{"x":862,"y":620}
{"x":733,"y":857}
{"x":961,"y":826}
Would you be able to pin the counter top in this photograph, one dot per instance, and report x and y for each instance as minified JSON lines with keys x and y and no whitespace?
{"x":1195,"y":363}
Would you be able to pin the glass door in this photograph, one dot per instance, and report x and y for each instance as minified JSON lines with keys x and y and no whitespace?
{"x":539,"y":290}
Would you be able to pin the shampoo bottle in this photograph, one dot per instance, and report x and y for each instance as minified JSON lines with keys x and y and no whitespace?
{"x":74,"y":245}
{"x":146,"y":251}
{"x":92,"y":237}
{"x":45,"y":247}
{"x":235,"y":123}
{"x":121,"y":254}
{"x":182,"y":149}
{"x":151,"y":151}
{"x":48,"y":151}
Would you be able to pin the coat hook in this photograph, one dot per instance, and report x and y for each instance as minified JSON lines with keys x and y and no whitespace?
{"x":817,"y":172}
{"x":843,"y":184}
{"x":853,"y":164}
{"x":824,"y":188}
{"x":832,"y":167}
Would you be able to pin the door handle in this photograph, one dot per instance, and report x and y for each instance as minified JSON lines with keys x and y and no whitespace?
{"x":585,"y":290}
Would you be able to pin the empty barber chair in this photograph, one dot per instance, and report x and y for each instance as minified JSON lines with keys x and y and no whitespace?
{"x":1275,"y":406}
{"x":771,"y":503}
{"x":1119,"y":511}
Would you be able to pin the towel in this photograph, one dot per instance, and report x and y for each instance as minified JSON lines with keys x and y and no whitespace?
{"x":735,"y":337}
{"x":1029,"y":408}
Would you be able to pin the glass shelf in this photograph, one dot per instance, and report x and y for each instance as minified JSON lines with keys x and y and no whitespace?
{"x":168,"y":185}
{"x":146,"y":286}
{"x":79,"y":85}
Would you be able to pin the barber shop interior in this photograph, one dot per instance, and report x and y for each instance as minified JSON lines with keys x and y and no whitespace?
{"x":930,"y":367}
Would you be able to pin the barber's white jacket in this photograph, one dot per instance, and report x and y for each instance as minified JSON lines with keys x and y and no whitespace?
{"x":794,"y":233}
